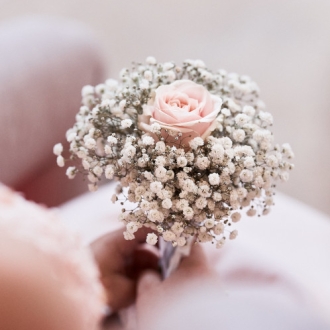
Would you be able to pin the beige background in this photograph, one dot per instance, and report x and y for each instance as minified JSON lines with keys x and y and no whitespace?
{"x":283,"y":45}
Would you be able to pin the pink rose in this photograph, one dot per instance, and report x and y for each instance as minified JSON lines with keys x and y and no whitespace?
{"x":183,"y":107}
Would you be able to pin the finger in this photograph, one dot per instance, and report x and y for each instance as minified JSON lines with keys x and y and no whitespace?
{"x":148,"y":281}
{"x":196,"y":261}
{"x":142,"y":260}
{"x":120,"y":291}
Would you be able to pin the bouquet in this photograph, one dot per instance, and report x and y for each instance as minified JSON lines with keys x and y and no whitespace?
{"x":191,"y":150}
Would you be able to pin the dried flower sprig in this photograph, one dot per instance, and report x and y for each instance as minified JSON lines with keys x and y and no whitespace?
{"x":189,"y":147}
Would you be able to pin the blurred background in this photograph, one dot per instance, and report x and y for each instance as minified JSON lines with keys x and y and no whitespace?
{"x":283,"y":45}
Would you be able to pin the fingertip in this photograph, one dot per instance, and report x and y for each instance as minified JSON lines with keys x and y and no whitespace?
{"x":147,"y":281}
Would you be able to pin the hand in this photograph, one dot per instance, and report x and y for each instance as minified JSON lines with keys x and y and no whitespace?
{"x":120,"y":263}
{"x":178,"y":301}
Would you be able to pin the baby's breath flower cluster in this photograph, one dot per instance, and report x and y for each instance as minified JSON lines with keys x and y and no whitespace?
{"x":180,"y":187}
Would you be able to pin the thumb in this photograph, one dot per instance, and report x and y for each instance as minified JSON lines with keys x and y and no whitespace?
{"x":147,"y":281}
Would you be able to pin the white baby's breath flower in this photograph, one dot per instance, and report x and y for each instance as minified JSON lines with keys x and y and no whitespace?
{"x":239,"y":135}
{"x":201,"y":203}
{"x":160,"y":172}
{"x":233,"y":234}
{"x":90,"y":143}
{"x":152,"y":239}
{"x":132,"y":227}
{"x":71,"y":172}
{"x":188,"y":212}
{"x":60,"y":161}
{"x":246,"y":176}
{"x":248,"y":110}
{"x":156,"y":186}
{"x":109,"y":172}
{"x":182,"y":161}
{"x":214,"y":179}
{"x":98,"y":170}
{"x":126,"y":123}
{"x":219,"y":228}
{"x":160,"y":147}
{"x":181,"y":241}
{"x":202,"y":163}
{"x":93,"y":187}
{"x":167,"y":203}
{"x":209,"y":223}
{"x":128,"y":236}
{"x":196,"y":142}
{"x":235,"y":217}
{"x":155,"y":128}
{"x":168,"y":236}
{"x":151,"y":60}
{"x":148,"y":140}
{"x":87,"y":90}
{"x":58,"y":149}
{"x":217,"y":196}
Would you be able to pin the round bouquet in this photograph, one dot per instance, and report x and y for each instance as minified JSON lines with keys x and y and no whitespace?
{"x":191,"y":149}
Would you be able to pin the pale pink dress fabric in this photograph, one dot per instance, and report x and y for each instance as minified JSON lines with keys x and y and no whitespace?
{"x":72,"y":265}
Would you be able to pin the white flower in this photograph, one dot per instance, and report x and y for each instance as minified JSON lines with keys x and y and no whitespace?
{"x":145,"y":205}
{"x":148,"y":75}
{"x":132,"y":227}
{"x":167,"y":203}
{"x":112,"y":140}
{"x":122,"y":104}
{"x":58,"y":149}
{"x":87,"y":90}
{"x":181,"y":204}
{"x":168,"y":236}
{"x":217,"y":196}
{"x":152,"y":239}
{"x":126,"y":123}
{"x":160,"y":172}
{"x":188,"y":212}
{"x":201,"y":203}
{"x":205,"y":237}
{"x":97,"y":170}
{"x":239,"y":135}
{"x":235,"y":217}
{"x":156,"y":186}
{"x":214,"y":179}
{"x":128,"y":236}
{"x":248,"y":110}
{"x":114,"y":198}
{"x":209,"y":223}
{"x":60,"y":161}
{"x":181,"y":161}
{"x":160,"y":147}
{"x":155,"y":128}
{"x":111,"y":84}
{"x":246,"y":176}
{"x":219,"y":228}
{"x":148,"y":140}
{"x":109,"y":172}
{"x":272,"y":161}
{"x":71,"y":172}
{"x":248,"y":162}
{"x":233,"y":234}
{"x":151,"y":60}
{"x":241,"y":119}
{"x":251,"y":212}
{"x":160,"y":161}
{"x":202,"y":163}
{"x":196,"y":142}
{"x":155,"y":215}
{"x":266,"y":117}
{"x":220,"y":243}
{"x":90,"y":143}
{"x":93,"y":187}
{"x":177,"y":228}
{"x":181,"y":241}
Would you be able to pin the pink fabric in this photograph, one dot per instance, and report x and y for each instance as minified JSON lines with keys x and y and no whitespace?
{"x":72,"y":265}
{"x":44,"y":64}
